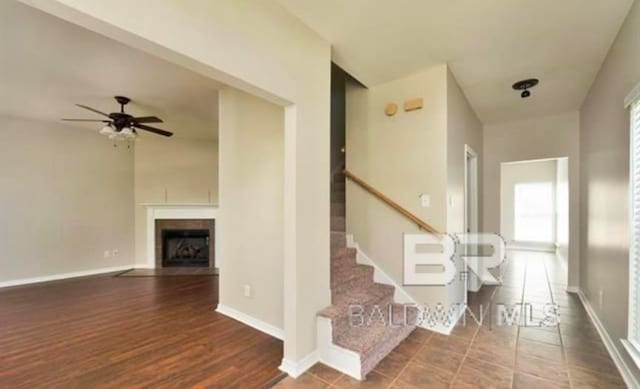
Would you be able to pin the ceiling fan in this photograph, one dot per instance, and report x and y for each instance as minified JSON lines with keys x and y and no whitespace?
{"x":121,"y":125}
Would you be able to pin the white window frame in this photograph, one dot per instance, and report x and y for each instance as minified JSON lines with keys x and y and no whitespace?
{"x":632,"y":343}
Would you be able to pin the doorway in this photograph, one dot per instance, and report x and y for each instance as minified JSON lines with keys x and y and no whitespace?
{"x":470,"y":190}
{"x":534,"y":205}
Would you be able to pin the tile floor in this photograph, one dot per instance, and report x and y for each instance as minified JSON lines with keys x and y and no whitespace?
{"x":568,"y":355}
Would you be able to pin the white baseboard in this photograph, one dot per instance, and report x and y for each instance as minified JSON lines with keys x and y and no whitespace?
{"x":63,"y":276}
{"x":296,"y":369}
{"x":251,"y":321}
{"x":573,"y":289}
{"x":623,"y":368}
{"x":339,"y":358}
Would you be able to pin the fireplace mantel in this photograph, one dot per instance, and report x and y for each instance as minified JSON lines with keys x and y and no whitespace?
{"x":173,"y":211}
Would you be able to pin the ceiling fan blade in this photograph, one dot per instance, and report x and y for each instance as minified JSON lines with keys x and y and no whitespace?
{"x":147,"y":119}
{"x":86,"y":120}
{"x":92,"y":110}
{"x":153,"y":129}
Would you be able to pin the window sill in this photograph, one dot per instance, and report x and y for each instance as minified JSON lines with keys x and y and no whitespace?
{"x":632,"y":350}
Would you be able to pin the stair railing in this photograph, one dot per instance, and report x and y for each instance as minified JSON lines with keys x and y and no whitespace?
{"x":400,"y":209}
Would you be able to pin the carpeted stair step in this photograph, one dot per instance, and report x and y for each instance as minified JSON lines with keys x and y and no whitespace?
{"x":338,"y":223}
{"x":364,"y":300}
{"x":338,"y":197}
{"x":367,"y":297}
{"x":338,"y":209}
{"x":376,"y":339}
{"x":356,"y":277}
{"x":338,"y":186}
{"x":349,"y":273}
{"x":344,"y":254}
{"x":338,"y":240}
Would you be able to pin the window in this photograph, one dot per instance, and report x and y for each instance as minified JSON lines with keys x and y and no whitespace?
{"x":533,"y":212}
{"x":633,"y":341}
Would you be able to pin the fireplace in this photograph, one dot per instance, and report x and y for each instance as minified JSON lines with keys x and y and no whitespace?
{"x":185,"y":243}
{"x":185,"y":248}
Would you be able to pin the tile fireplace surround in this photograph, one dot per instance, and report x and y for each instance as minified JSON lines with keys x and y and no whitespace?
{"x":175,"y":212}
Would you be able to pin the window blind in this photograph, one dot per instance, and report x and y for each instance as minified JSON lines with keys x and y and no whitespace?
{"x":634,"y":249}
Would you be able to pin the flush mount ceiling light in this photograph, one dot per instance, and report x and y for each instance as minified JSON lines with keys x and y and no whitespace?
{"x":524,"y":85}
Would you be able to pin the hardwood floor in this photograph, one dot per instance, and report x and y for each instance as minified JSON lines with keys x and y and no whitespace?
{"x":129,"y":332}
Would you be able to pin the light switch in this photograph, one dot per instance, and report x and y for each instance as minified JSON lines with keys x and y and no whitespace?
{"x":425,"y":200}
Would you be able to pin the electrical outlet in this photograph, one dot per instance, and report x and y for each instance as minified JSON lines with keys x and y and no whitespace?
{"x":115,"y":252}
{"x":247,"y":291}
{"x":107,"y":253}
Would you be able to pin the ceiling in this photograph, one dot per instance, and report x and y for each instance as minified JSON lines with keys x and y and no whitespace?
{"x":488,"y":45}
{"x":47,"y":65}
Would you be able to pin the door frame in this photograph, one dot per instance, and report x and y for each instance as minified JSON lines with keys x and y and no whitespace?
{"x":470,"y":187}
{"x":470,"y":213}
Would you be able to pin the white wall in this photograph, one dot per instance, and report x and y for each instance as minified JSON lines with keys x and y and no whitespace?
{"x":251,"y":224}
{"x":517,"y":173}
{"x":546,"y":137}
{"x":604,"y":148}
{"x":66,"y":196}
{"x":258,"y":47}
{"x":562,"y":208}
{"x":463,"y":128}
{"x":402,"y":156}
{"x":172,"y":171}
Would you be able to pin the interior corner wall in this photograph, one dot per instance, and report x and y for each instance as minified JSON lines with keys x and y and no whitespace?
{"x":530,"y":139}
{"x":251,"y":225}
{"x":402,"y":156}
{"x":604,"y":148}
{"x":172,"y":171}
{"x":66,"y":197}
{"x":463,"y":128}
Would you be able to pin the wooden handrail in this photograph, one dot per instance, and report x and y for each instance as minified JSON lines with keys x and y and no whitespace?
{"x":422,"y":224}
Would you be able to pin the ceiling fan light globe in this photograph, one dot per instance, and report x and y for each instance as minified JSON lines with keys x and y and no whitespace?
{"x":107,"y":130}
{"x":128,"y":133}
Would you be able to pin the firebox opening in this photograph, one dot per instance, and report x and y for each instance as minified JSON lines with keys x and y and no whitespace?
{"x":185,"y":248}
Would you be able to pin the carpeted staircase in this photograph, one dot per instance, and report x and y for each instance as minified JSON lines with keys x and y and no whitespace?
{"x":383,"y":323}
